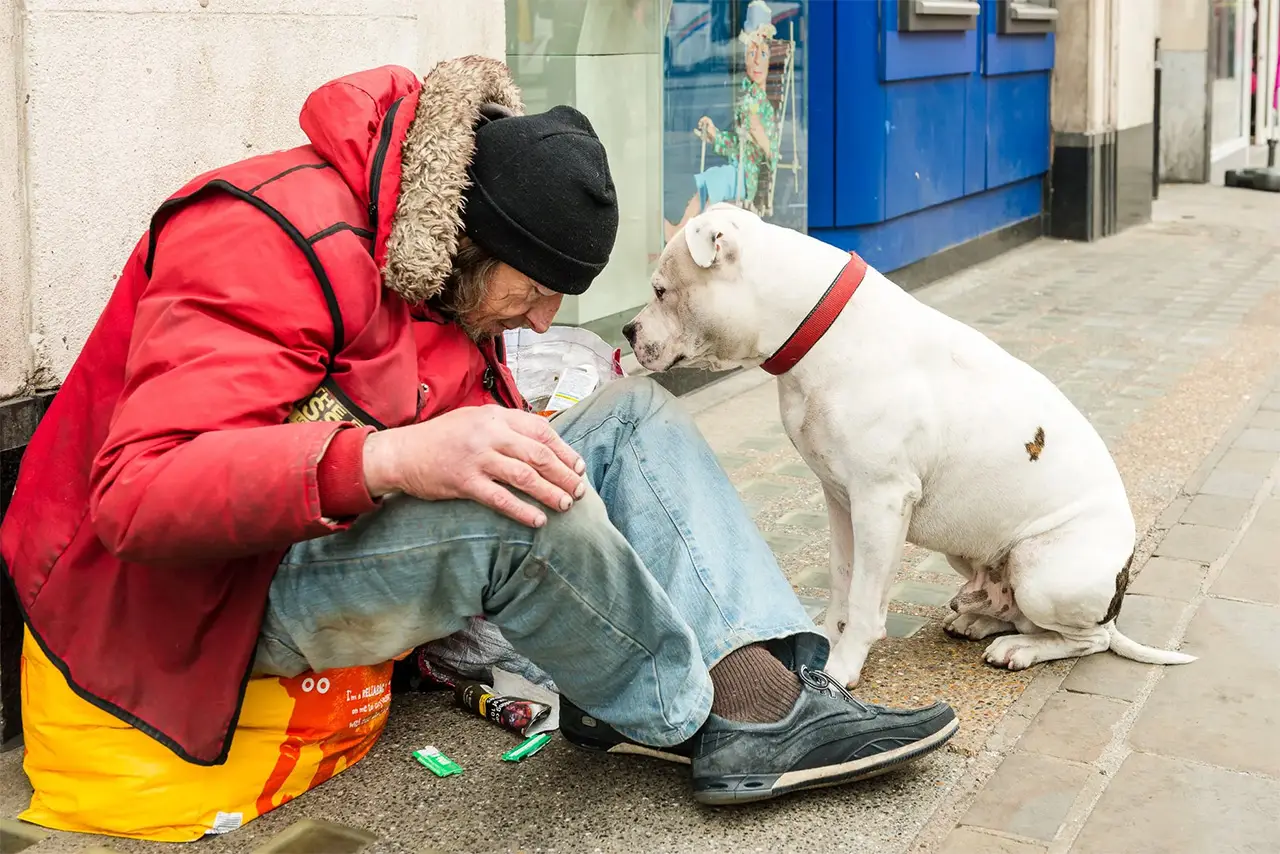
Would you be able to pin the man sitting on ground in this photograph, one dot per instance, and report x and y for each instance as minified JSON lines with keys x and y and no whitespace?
{"x":290,"y":444}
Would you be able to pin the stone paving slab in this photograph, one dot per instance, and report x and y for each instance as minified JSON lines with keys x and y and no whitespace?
{"x":1074,"y":727}
{"x":1253,"y":572}
{"x":966,"y":840}
{"x":1158,"y":805}
{"x":1170,"y":578}
{"x":1029,"y":796}
{"x":1224,"y":709}
{"x":1162,"y":364}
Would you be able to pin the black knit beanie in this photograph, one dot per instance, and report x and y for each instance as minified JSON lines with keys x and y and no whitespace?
{"x":541,"y":198}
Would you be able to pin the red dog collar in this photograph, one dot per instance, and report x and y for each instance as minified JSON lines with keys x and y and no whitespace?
{"x":811,"y":330}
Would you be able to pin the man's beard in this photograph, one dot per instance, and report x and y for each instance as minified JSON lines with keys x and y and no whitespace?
{"x":477,"y":329}
{"x":471,"y":323}
{"x":464,"y":291}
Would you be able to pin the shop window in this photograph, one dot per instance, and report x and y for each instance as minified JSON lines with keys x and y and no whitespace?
{"x":696,"y":102}
{"x":1231,"y":80}
{"x":735,"y":123}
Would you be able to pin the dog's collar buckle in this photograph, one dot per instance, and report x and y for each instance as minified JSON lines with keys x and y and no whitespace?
{"x":813,"y":327}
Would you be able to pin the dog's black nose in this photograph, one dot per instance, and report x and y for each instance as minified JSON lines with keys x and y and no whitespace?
{"x":629,"y":332}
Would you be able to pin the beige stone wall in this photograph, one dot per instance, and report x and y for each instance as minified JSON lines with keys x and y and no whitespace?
{"x":1071,"y":83}
{"x":1184,"y":99}
{"x":1104,"y":63}
{"x":1184,"y":24}
{"x":111,"y":105}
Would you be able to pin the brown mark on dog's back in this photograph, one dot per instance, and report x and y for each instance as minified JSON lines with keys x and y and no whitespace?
{"x":1036,"y":445}
{"x":1122,"y":584}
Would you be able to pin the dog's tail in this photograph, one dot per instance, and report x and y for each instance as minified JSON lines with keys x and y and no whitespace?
{"x":1131,"y":649}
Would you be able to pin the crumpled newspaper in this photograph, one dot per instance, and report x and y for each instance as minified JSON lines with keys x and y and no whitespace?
{"x":536,"y":361}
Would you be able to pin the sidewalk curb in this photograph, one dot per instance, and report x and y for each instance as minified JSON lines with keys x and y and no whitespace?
{"x":1004,"y":738}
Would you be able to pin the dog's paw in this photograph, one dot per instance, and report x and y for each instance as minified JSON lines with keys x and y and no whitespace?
{"x":1012,"y":652}
{"x":974,"y":626}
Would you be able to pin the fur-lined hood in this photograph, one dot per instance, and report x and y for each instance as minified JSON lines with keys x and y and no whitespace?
{"x":404,"y":145}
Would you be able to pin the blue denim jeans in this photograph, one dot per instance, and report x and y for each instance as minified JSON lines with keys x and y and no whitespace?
{"x":626,"y":600}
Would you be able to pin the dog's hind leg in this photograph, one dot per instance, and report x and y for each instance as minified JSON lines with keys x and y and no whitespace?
{"x":880,"y":518}
{"x":1018,"y":652}
{"x":1063,"y":598}
{"x":841,"y":524}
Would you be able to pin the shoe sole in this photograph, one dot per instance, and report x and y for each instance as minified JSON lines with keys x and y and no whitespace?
{"x":625,"y":748}
{"x":747,"y":788}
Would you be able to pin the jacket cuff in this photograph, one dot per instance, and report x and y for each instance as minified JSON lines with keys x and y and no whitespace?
{"x":340,"y":476}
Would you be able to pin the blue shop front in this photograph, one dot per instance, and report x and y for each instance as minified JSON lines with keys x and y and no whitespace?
{"x":929,"y":122}
{"x":895,"y":128}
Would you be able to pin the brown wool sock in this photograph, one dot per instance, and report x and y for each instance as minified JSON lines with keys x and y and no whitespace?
{"x":751,"y":686}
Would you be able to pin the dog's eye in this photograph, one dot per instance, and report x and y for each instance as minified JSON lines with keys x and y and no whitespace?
{"x":659,"y":292}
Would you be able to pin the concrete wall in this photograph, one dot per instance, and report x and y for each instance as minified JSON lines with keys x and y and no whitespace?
{"x":111,"y":105}
{"x":1102,"y":76}
{"x":1184,"y":105}
{"x":1072,"y":83}
{"x":15,"y":319}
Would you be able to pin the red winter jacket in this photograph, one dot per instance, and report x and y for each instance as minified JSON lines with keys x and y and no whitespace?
{"x":270,"y":301}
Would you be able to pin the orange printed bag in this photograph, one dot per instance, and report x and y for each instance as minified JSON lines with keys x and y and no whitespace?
{"x":93,"y":773}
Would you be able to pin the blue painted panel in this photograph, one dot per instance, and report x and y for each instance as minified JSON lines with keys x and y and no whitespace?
{"x":925,"y":158}
{"x":821,"y":36}
{"x":1012,"y":54}
{"x":909,"y":56}
{"x":975,"y":135}
{"x":860,"y":115}
{"x":1017,"y":127}
{"x":890,"y":245}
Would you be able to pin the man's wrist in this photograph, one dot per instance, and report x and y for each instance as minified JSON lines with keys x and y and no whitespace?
{"x":379,"y":467}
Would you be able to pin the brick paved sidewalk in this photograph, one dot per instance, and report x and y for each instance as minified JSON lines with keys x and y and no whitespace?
{"x":1162,"y":335}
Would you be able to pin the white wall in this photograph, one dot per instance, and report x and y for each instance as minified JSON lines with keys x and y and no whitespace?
{"x":1136,"y":38}
{"x":114,"y":104}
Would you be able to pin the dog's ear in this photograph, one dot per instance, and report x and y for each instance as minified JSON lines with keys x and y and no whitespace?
{"x":710,"y":237}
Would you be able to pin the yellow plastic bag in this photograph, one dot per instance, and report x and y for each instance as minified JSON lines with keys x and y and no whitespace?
{"x":94,"y":773}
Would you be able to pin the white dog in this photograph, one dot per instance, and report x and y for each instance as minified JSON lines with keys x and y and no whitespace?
{"x":920,"y":429}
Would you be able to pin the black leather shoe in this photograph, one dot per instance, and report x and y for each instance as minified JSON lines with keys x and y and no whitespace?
{"x":582,"y":730}
{"x":828,"y":738}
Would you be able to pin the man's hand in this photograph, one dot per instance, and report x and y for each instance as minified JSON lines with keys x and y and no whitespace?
{"x":471,"y":453}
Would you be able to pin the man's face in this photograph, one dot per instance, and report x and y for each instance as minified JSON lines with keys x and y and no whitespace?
{"x":512,"y":300}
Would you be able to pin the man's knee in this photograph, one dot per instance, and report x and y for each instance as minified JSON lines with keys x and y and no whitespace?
{"x":633,"y":398}
{"x":586,"y":522}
